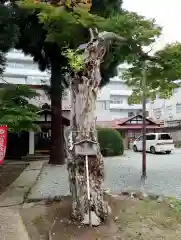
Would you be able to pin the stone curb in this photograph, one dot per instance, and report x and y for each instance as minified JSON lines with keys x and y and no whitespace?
{"x":138,"y":195}
{"x":146,"y":197}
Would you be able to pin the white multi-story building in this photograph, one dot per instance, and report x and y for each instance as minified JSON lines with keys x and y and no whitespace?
{"x":167,"y":111}
{"x":22,"y":70}
{"x":112,"y":100}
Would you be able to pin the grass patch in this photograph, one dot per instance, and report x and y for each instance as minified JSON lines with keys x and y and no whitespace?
{"x":175,"y":204}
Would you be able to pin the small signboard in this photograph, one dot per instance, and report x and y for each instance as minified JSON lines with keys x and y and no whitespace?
{"x":86,"y":148}
{"x":3,"y":142}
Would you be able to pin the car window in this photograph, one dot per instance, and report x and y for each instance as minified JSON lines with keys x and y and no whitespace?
{"x":140,"y":138}
{"x":164,"y":136}
{"x":151,"y":137}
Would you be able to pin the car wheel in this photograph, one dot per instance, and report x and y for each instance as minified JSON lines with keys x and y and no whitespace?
{"x":168,"y":152}
{"x":152,"y":150}
{"x":135,"y":148}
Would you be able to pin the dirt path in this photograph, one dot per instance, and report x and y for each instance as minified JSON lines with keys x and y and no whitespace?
{"x":132,"y":219}
{"x":9,"y":173}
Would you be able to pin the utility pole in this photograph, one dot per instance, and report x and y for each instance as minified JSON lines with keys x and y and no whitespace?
{"x":144,"y":174}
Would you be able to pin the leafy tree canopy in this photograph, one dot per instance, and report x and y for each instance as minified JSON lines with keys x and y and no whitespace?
{"x":16,"y":109}
{"x":160,"y":75}
{"x":58,"y":26}
{"x":106,"y":8}
{"x":36,"y":37}
{"x":9,"y":33}
{"x":45,"y":30}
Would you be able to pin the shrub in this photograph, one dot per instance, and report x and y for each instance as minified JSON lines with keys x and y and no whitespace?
{"x":111,"y":142}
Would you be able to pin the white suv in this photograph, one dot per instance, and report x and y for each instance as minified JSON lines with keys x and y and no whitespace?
{"x":155,"y":142}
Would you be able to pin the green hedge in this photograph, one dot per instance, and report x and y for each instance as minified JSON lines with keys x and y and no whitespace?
{"x":111,"y":142}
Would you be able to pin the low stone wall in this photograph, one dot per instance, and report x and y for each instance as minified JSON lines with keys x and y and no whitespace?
{"x":175,"y":133}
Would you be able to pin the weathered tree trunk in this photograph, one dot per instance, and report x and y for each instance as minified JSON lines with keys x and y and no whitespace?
{"x":57,"y":155}
{"x":84,"y":89}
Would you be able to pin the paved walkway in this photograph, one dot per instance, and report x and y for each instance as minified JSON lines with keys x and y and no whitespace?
{"x":164,"y":175}
{"x":11,"y":225}
{"x":16,"y":193}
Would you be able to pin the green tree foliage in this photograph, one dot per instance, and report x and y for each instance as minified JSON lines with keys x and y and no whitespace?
{"x":111,"y":142}
{"x":106,"y":8}
{"x":8,"y":34}
{"x":64,"y":25}
{"x":17,"y":112}
{"x":161,"y":74}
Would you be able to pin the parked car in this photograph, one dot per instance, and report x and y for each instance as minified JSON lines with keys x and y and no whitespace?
{"x":155,"y":142}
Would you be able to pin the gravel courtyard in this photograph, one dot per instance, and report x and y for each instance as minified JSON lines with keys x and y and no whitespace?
{"x":163,"y":172}
{"x":122,"y":173}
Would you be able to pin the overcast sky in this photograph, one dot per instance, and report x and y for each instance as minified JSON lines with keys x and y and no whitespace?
{"x":166,"y":13}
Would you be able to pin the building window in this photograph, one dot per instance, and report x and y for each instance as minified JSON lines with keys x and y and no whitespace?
{"x":22,"y":65}
{"x":65,"y":95}
{"x":130,"y":114}
{"x":101,"y":105}
{"x":157,"y":112}
{"x":16,"y":51}
{"x":176,"y":90}
{"x":107,"y":104}
{"x":178,"y":108}
{"x":169,"y":108}
{"x":139,"y":112}
{"x":147,"y":114}
{"x":114,"y":99}
{"x":169,"y":111}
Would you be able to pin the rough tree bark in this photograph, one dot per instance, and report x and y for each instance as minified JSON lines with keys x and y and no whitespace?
{"x":57,"y":154}
{"x":84,"y":90}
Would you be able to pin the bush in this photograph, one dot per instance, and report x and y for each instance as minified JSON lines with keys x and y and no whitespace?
{"x":111,"y":142}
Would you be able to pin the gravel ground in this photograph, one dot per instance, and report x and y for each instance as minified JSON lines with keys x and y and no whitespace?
{"x":163,"y":173}
{"x":164,"y":176}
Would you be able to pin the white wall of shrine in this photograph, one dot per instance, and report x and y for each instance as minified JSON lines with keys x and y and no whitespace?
{"x":32,"y":141}
{"x":65,"y":114}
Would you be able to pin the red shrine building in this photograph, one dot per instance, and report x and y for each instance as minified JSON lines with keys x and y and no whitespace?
{"x":130,"y":128}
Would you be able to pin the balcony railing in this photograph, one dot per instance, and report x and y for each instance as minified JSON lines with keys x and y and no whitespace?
{"x":125,"y":106}
{"x":120,"y":92}
{"x":25,"y":72}
{"x":116,"y":79}
{"x":18,"y":56}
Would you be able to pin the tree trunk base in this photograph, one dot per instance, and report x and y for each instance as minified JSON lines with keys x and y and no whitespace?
{"x":57,"y":154}
{"x":80,"y":203}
